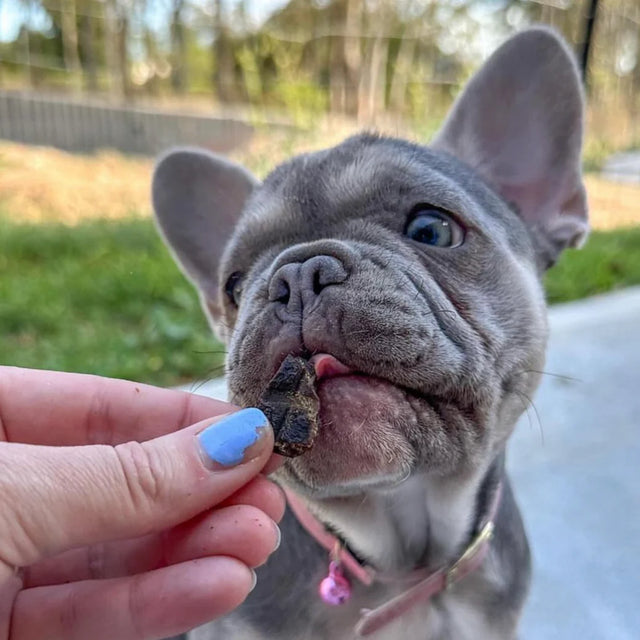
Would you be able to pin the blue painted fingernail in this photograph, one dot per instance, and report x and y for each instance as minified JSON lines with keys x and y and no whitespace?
{"x":229,"y":442}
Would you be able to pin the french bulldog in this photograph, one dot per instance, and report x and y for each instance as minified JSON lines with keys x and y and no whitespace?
{"x":410,"y":277}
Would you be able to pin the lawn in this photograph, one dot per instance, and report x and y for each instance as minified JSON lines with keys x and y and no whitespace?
{"x":105,"y":297}
{"x":102,"y":297}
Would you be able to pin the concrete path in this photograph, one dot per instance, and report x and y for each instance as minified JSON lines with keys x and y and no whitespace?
{"x":575,"y":462}
{"x":623,"y":167}
{"x":579,"y":487}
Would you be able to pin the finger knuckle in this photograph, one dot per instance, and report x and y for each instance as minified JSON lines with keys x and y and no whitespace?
{"x":142,"y":474}
{"x":137,"y":605}
{"x":23,"y":537}
{"x":70,"y":612}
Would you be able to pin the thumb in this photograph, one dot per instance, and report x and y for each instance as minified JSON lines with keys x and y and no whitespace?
{"x":57,"y":498}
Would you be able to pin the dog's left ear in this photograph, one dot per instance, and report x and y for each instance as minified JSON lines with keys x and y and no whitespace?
{"x":519,"y":125}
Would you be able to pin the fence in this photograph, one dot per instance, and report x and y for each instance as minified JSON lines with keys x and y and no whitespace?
{"x":88,"y":126}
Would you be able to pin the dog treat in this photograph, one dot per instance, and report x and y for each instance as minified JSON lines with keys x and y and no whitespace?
{"x":291,"y":404}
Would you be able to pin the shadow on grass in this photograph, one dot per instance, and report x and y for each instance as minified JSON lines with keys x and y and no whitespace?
{"x":106,"y":298}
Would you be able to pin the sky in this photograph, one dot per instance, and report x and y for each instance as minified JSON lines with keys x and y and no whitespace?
{"x":13,"y":13}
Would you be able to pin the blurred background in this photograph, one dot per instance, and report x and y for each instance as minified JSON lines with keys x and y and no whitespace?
{"x":91,"y":90}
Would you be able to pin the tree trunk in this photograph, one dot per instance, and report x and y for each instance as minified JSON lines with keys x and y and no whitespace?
{"x":153,"y":84}
{"x":26,"y":52}
{"x":401,"y":72}
{"x":69,"y":31}
{"x":371,"y":99}
{"x":178,"y":49}
{"x":223,"y":59}
{"x":352,"y":55}
{"x":110,"y":52}
{"x":373,"y":77}
{"x":337,"y":77}
{"x":116,"y":25}
{"x":87,"y":37}
{"x":635,"y":84}
{"x":123,"y":55}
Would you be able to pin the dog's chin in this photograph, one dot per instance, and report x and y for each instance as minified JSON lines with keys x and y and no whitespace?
{"x":362,"y":440}
{"x":381,"y":484}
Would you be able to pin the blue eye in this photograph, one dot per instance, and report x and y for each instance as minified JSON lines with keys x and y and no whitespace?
{"x":435,"y":228}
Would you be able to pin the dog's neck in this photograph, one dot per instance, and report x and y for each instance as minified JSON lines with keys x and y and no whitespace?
{"x":423,"y":522}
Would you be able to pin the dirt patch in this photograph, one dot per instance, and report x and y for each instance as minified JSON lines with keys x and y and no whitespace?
{"x":39,"y":184}
{"x":612,"y":205}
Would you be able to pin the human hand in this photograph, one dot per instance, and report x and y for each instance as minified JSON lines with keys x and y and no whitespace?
{"x":107,"y":520}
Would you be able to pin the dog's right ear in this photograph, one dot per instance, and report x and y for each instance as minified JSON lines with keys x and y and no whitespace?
{"x":198,"y":198}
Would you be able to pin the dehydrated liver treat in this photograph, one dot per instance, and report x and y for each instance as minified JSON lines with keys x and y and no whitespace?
{"x":291,"y":404}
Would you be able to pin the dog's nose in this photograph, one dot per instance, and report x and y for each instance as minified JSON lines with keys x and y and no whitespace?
{"x":303,"y":281}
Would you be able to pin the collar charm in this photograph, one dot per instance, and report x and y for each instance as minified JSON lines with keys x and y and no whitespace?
{"x":335,"y":589}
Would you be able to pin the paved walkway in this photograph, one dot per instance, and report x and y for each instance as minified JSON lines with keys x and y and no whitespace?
{"x":575,"y":462}
{"x":623,"y":167}
{"x":579,"y":488}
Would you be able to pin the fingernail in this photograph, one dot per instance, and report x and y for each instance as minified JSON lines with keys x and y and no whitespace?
{"x":255,"y":580}
{"x":278,"y":537}
{"x":228,"y":442}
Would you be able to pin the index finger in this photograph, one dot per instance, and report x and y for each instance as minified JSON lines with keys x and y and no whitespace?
{"x":55,"y":408}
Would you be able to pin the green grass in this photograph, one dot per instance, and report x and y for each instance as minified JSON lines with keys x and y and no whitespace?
{"x":106,"y":298}
{"x":103,"y":297}
{"x":609,"y":260}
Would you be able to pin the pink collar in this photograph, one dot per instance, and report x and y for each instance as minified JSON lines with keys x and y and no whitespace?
{"x":335,"y":589}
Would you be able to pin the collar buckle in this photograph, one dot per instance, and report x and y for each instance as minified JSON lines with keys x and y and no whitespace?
{"x":457,"y":569}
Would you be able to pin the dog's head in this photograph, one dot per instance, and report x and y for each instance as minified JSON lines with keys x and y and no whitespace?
{"x":410,"y":275}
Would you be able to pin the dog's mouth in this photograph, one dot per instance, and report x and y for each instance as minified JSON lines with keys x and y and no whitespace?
{"x":364,"y":422}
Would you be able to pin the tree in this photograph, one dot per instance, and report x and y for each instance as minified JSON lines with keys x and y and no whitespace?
{"x":223,"y":56}
{"x":115,"y":46}
{"x":88,"y":34}
{"x":179,"y":61}
{"x":69,"y":29}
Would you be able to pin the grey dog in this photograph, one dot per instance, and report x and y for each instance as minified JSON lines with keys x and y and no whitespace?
{"x":415,"y":273}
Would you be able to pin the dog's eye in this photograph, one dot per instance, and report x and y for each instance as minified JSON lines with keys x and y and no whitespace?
{"x":233,"y":287}
{"x":430,"y":226}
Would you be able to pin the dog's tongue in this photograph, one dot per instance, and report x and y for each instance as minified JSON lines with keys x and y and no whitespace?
{"x":327,"y":366}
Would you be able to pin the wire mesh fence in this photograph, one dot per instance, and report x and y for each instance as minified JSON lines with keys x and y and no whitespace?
{"x":364,"y":59}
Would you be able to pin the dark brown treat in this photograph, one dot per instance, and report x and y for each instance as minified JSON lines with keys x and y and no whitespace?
{"x":291,"y":404}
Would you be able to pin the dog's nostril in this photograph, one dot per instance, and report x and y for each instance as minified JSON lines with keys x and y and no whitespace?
{"x":284,"y":283}
{"x":321,"y":271}
{"x":282,"y":292}
{"x":317,"y":286}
